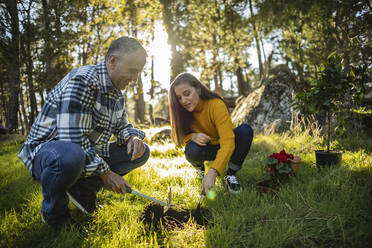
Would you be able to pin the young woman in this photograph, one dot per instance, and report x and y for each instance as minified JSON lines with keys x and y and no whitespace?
{"x":200,"y":120}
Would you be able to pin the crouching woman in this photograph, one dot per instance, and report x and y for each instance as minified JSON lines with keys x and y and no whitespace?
{"x":201,"y":121}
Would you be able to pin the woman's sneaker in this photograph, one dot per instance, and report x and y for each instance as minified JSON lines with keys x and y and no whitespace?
{"x":232,"y":184}
{"x":200,"y":171}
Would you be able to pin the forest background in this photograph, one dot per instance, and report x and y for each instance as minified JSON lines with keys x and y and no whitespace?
{"x":228,"y":44}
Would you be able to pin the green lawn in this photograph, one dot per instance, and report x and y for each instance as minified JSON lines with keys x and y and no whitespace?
{"x":328,"y":208}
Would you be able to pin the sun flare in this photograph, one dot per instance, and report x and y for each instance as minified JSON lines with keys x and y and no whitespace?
{"x":159,"y":50}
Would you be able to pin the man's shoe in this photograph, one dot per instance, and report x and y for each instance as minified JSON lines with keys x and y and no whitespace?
{"x":63,"y":221}
{"x":232,"y":184}
{"x":85,"y":201}
{"x":57,"y":223}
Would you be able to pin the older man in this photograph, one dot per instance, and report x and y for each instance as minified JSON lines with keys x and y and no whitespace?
{"x":68,"y":147}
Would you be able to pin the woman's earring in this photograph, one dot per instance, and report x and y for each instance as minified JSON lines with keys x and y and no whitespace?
{"x":199,"y":92}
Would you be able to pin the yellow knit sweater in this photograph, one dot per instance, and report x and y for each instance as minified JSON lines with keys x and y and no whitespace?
{"x":212,"y":118}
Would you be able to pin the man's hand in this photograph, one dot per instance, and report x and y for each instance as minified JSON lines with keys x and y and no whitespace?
{"x":136,"y":145}
{"x":200,"y":138}
{"x":114,"y":182}
{"x":209,"y":180}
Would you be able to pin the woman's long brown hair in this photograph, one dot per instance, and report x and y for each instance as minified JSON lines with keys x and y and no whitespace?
{"x":181,"y":119}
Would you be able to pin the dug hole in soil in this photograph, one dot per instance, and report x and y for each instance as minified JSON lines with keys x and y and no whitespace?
{"x":154,"y":214}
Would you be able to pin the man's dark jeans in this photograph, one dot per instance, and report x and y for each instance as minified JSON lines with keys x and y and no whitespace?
{"x":196,"y":154}
{"x":59,"y":164}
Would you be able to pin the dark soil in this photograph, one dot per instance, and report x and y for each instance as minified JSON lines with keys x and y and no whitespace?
{"x":154,"y":215}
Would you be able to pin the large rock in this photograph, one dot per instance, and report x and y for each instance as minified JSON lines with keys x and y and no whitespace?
{"x":268,"y":106}
{"x":163,"y":136}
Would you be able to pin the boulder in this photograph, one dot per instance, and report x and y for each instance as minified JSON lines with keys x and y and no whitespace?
{"x":269,"y":105}
{"x":163,"y":136}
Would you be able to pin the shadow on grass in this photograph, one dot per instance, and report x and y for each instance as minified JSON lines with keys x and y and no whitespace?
{"x":20,"y":205}
{"x":17,"y":186}
{"x":354,"y":142}
{"x":344,"y":200}
{"x":39,"y":235}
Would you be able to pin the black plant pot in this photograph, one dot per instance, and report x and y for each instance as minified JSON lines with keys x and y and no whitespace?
{"x":324,"y":158}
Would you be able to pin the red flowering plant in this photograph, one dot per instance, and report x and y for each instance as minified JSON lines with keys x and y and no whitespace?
{"x":278,"y":167}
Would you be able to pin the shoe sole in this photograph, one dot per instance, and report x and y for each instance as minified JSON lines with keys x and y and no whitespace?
{"x":77,"y":204}
{"x":233,"y":192}
{"x":230,"y":190}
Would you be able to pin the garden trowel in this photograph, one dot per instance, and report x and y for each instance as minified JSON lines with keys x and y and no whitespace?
{"x":200,"y":202}
{"x":130,"y":190}
{"x":169,"y":200}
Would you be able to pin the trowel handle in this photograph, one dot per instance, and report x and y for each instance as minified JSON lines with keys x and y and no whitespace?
{"x":129,"y":190}
{"x":201,"y":197}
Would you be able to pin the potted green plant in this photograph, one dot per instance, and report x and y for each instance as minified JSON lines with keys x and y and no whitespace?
{"x":326,"y":94}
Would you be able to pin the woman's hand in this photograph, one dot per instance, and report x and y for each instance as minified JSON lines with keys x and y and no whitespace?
{"x":200,"y":138}
{"x":209,"y":180}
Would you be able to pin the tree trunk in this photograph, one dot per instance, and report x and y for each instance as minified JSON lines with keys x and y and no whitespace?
{"x":21,"y":122}
{"x":215,"y":65}
{"x":139,"y":113}
{"x":14,"y":77}
{"x":220,"y":76}
{"x":256,"y":39}
{"x":140,"y":103}
{"x":152,"y":88}
{"x":177,"y":66}
{"x":263,"y":50}
{"x":3,"y":105}
{"x":240,"y":79}
{"x":23,"y":113}
{"x":329,"y":130}
{"x":46,"y":37}
{"x":42,"y":98}
{"x":29,"y":68}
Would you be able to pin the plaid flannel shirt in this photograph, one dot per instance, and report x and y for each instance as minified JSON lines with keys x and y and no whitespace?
{"x":84,"y":108}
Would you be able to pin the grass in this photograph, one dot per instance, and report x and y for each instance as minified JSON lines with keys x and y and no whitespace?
{"x":327,"y":208}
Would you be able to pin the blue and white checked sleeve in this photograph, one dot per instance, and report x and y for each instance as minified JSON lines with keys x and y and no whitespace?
{"x":74,"y":121}
{"x":125,"y":130}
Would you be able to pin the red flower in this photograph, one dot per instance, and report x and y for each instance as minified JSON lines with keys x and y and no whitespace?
{"x":275,"y":155}
{"x":283,"y":158}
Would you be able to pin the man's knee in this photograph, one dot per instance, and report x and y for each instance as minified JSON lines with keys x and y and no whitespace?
{"x":143,"y":159}
{"x":193,"y":152}
{"x":71,"y":158}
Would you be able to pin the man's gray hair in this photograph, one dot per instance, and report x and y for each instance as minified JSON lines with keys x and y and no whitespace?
{"x":124,"y":46}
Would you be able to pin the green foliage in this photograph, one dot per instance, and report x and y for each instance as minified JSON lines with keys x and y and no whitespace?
{"x":310,"y":29}
{"x":327,"y":91}
{"x":334,"y":86}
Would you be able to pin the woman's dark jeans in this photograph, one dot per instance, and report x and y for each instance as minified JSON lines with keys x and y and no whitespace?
{"x":196,"y":154}
{"x":58,"y":166}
